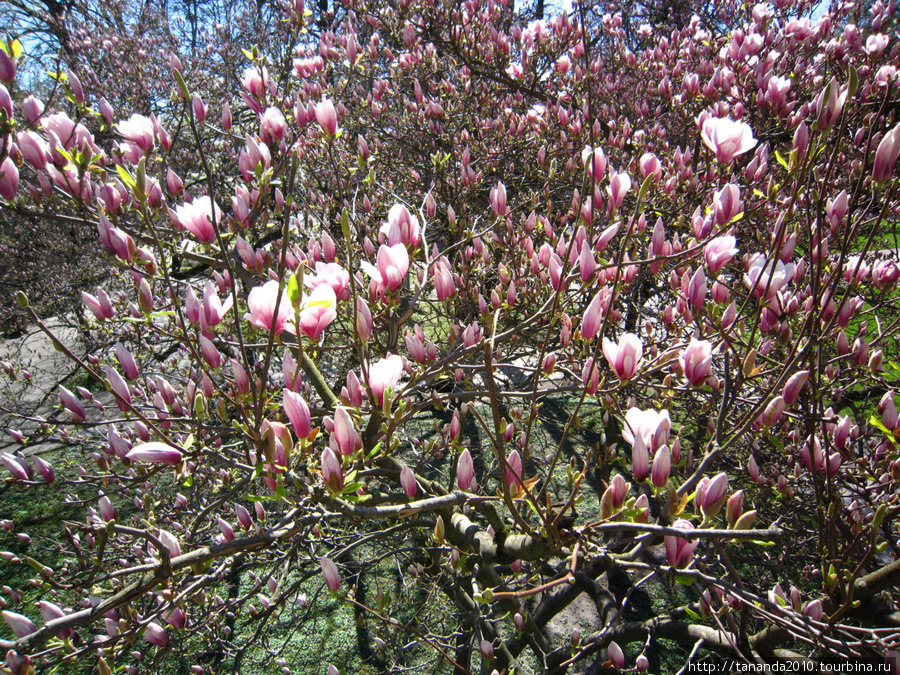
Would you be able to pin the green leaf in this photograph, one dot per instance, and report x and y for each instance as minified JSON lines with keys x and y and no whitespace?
{"x":16,"y":49}
{"x":645,"y":187}
{"x":126,"y":177}
{"x":182,"y":85}
{"x":781,"y":160}
{"x":257,"y":472}
{"x":189,"y":480}
{"x":694,"y":615}
{"x":875,"y":421}
{"x":247,"y":53}
{"x":853,"y":84}
{"x":293,"y":290}
{"x":681,"y":579}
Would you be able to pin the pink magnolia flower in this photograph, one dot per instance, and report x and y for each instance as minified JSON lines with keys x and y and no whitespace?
{"x":830,"y":104}
{"x":392,"y":266}
{"x":330,"y":573}
{"x":214,"y":310}
{"x":107,"y":510}
{"x":72,"y":404}
{"x":44,"y":468}
{"x":593,"y":316}
{"x":345,"y":435}
{"x":619,"y":185}
{"x":119,"y":387}
{"x":9,"y":179}
{"x":640,"y":459}
{"x":126,"y":360}
{"x":727,"y":204}
{"x":616,"y":655}
{"x":197,"y":218}
{"x":594,"y":160}
{"x":652,"y":426}
{"x":718,"y":253}
{"x":408,"y":482}
{"x":727,"y":138}
{"x":34,"y":149}
{"x":697,"y":288}
{"x":16,"y":470}
{"x":331,"y":470}
{"x":256,"y":80}
{"x":326,"y":116}
{"x":625,"y":357}
{"x":335,"y":276}
{"x":363,"y":319}
{"x":443,"y":280}
{"x":156,"y":635}
{"x":243,"y":516}
{"x":21,"y":625}
{"x":384,"y":374}
{"x":680,"y":552}
{"x":696,"y":361}
{"x":298,"y":413}
{"x":34,"y":108}
{"x":650,"y":166}
{"x":765,"y":278}
{"x":465,"y":470}
{"x":261,"y":303}
{"x":155,"y":452}
{"x":662,"y":464}
{"x":794,"y":386}
{"x":711,"y":494}
{"x":514,"y":470}
{"x":170,"y":542}
{"x":273,"y":125}
{"x":51,"y":611}
{"x":886,"y":155}
{"x":137,"y":129}
{"x":401,"y":227}
{"x":318,"y":311}
{"x":498,"y":200}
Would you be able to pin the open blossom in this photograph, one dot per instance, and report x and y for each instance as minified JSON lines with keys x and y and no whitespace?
{"x":317,"y":312}
{"x":261,"y":303}
{"x":384,"y":374}
{"x":652,"y":426}
{"x":401,"y":227}
{"x":727,"y":138}
{"x":719,"y":252}
{"x":625,"y":357}
{"x":765,"y":278}
{"x":137,"y":129}
{"x":196,"y":218}
{"x":213,"y":309}
{"x":392,"y":266}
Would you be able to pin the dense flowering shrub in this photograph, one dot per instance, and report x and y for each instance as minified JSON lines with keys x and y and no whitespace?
{"x":517,"y":309}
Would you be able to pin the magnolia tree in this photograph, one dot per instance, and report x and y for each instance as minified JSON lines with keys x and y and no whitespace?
{"x":447,"y":321}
